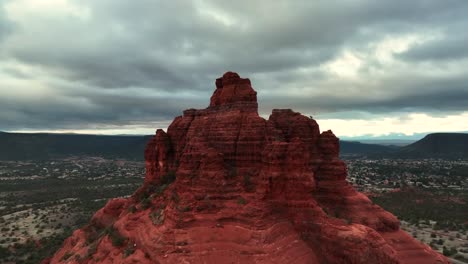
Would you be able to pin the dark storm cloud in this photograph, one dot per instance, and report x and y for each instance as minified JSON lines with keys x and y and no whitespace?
{"x":73,"y":111}
{"x":114,"y":62}
{"x":152,"y":43}
{"x":454,"y":47}
{"x":410,"y":94}
{"x":451,"y":45}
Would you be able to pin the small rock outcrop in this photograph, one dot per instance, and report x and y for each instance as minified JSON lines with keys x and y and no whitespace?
{"x":224,"y":185}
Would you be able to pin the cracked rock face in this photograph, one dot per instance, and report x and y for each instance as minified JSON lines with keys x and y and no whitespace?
{"x":224,"y":185}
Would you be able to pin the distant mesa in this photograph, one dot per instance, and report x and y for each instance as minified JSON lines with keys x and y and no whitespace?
{"x":359,"y":148}
{"x":224,"y":185}
{"x":44,"y":146}
{"x":437,"y":145}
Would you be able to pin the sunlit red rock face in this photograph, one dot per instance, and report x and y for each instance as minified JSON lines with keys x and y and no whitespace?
{"x":246,"y":190}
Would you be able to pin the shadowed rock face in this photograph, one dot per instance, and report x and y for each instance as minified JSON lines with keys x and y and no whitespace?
{"x":247,"y":190}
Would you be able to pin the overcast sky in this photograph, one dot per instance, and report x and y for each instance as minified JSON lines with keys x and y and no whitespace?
{"x":117,"y":66}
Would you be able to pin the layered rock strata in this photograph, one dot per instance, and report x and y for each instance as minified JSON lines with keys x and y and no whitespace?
{"x":224,"y":185}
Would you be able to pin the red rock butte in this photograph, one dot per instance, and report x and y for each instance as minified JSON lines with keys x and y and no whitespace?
{"x":224,"y":185}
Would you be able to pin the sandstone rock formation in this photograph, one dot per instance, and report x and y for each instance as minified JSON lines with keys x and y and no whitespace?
{"x":224,"y":185}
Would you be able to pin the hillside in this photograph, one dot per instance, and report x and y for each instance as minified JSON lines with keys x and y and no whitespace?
{"x":358,"y":148}
{"x":438,"y":145}
{"x":42,"y":146}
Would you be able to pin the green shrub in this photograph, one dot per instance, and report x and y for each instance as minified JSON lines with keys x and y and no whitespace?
{"x":67,"y":256}
{"x":241,"y":200}
{"x":449,"y":252}
{"x":145,"y":203}
{"x":128,"y":251}
{"x":154,"y":189}
{"x":117,"y":239}
{"x":132,"y":209}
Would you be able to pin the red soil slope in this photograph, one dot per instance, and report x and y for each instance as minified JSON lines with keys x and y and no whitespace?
{"x":247,"y":190}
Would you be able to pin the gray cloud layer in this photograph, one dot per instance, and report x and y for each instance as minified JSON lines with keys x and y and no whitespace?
{"x":108,"y":62}
{"x":5,"y":25}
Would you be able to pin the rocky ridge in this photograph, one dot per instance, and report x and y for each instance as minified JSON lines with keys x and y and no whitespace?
{"x":224,"y":185}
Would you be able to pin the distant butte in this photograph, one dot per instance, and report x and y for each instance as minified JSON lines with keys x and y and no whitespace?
{"x":224,"y":185}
